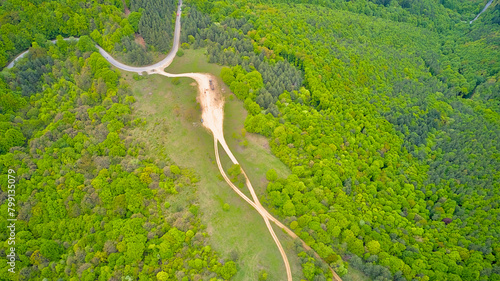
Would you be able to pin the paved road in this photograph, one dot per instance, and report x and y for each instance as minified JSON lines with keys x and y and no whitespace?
{"x":486,"y":7}
{"x":159,"y":65}
{"x":21,"y":55}
{"x":149,"y":68}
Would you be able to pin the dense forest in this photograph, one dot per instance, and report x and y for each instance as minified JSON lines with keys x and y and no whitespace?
{"x":156,"y":22}
{"x":387,"y":113}
{"x":91,"y":203}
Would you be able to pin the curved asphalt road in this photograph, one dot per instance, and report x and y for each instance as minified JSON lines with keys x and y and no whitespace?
{"x":157,"y":66}
{"x":21,"y":55}
{"x":149,"y":68}
{"x":485,"y":7}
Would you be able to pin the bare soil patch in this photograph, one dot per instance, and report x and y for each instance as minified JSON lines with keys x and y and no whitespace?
{"x":127,"y":11}
{"x":139,"y":40}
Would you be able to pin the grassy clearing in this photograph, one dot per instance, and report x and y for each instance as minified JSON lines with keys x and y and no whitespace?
{"x":173,"y":128}
{"x":193,"y":61}
{"x":256,"y":158}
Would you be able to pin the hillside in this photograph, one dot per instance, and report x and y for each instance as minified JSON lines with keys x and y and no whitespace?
{"x":387,"y":117}
{"x":369,"y":128}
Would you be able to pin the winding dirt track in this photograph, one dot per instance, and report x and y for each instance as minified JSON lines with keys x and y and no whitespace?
{"x":212,"y":106}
